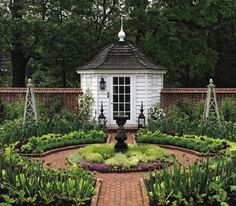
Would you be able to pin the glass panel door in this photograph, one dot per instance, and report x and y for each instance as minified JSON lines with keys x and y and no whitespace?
{"x":121,"y":96}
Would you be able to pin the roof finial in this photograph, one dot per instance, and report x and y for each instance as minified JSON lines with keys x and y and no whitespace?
{"x":121,"y":34}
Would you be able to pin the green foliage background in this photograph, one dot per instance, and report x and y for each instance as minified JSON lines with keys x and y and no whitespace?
{"x":49,"y":39}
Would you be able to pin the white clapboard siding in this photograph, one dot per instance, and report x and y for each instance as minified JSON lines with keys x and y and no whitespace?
{"x":141,"y":93}
{"x":145,"y":88}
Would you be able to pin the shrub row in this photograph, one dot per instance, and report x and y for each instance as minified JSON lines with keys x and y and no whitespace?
{"x":52,"y":141}
{"x":199,"y":143}
{"x":52,"y":119}
{"x":184,"y":118}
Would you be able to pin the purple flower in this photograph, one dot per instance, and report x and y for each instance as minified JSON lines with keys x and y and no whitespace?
{"x":145,"y":166}
{"x":150,"y":166}
{"x":101,"y":167}
{"x":84,"y":164}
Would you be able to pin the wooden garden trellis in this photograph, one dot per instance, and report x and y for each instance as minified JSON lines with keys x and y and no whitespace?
{"x":211,"y":107}
{"x":30,"y":112}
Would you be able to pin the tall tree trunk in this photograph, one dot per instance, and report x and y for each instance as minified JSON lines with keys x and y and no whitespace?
{"x":64,"y":76}
{"x":19,"y":63}
{"x":19,"y":59}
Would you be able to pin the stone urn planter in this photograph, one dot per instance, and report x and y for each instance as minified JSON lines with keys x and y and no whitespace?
{"x":121,"y":135}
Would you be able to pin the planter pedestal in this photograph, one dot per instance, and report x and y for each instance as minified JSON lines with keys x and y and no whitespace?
{"x":121,"y":135}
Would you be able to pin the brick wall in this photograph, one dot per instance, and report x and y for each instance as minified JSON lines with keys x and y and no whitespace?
{"x":170,"y":96}
{"x":69,"y":96}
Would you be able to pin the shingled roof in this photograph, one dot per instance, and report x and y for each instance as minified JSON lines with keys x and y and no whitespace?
{"x":121,"y":55}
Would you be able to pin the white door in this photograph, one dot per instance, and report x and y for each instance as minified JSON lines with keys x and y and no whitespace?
{"x":121,"y":98}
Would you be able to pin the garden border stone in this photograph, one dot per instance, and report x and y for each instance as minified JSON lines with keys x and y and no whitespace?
{"x":94,"y":200}
{"x":144,"y":192}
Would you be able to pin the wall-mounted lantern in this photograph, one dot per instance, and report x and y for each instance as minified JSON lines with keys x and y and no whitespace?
{"x":102,"y":118}
{"x":102,"y":84}
{"x":141,"y":118}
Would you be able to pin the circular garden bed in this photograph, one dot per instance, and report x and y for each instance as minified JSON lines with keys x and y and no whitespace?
{"x":103,"y":158}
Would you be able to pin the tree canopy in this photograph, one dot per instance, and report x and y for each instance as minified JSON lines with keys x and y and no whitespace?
{"x":49,"y":39}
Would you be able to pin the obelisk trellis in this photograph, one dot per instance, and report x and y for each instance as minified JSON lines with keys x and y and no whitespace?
{"x":211,"y":107}
{"x":30,"y":112}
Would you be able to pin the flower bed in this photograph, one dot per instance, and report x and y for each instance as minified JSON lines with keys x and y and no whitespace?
{"x":103,"y":158}
{"x":202,"y":144}
{"x":23,"y":182}
{"x":52,"y":141}
{"x":208,"y":182}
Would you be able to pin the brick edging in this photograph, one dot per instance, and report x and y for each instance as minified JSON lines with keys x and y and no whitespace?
{"x":144,"y":193}
{"x":94,"y":200}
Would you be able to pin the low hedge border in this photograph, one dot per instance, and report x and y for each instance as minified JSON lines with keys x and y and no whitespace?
{"x":189,"y":151}
{"x":52,"y":151}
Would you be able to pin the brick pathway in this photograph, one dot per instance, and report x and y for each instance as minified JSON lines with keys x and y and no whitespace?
{"x":121,"y":189}
{"x":117,"y":189}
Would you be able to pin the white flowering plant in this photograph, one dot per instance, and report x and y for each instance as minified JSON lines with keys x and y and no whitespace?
{"x":85,"y":103}
{"x":156,"y":113}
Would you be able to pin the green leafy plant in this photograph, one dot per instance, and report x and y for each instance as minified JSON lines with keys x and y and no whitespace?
{"x":51,"y":120}
{"x":208,"y":182}
{"x":23,"y":182}
{"x":228,"y":110}
{"x":183,"y":118}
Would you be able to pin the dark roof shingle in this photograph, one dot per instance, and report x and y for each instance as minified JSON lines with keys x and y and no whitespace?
{"x":121,"y":55}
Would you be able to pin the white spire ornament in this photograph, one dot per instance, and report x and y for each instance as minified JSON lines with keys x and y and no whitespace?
{"x":121,"y":34}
